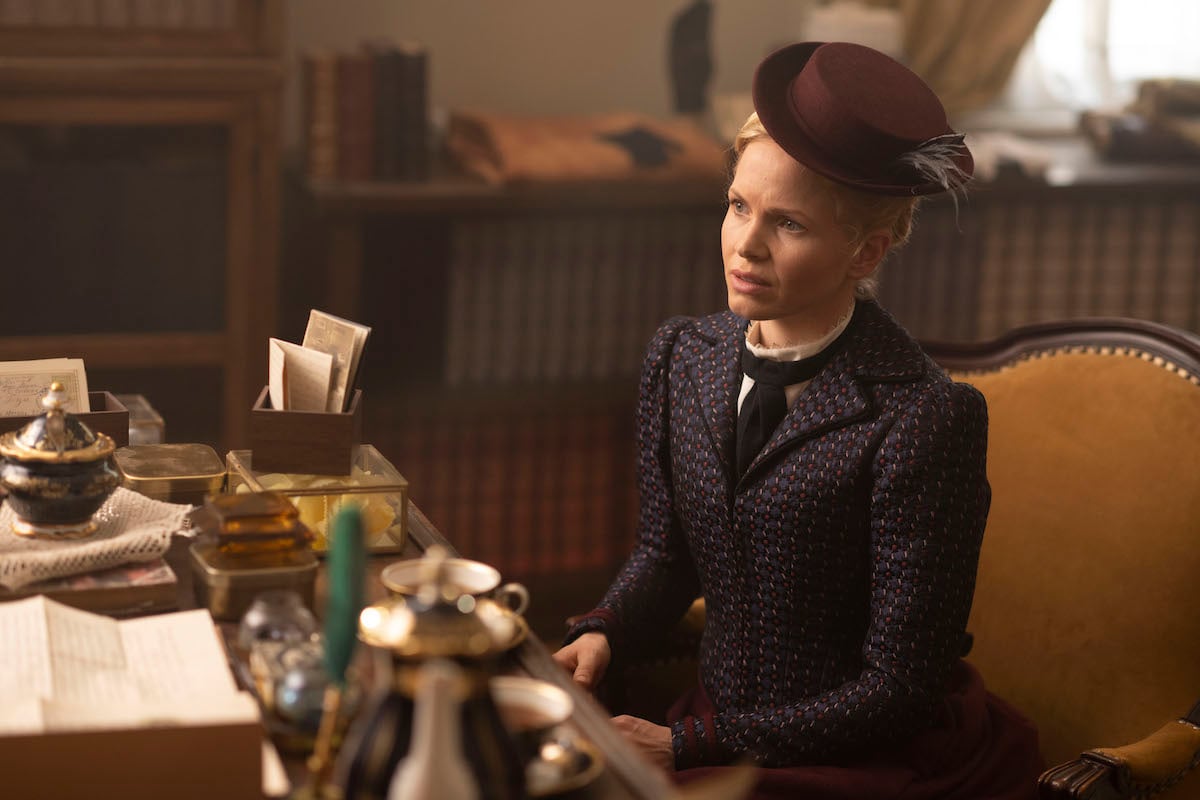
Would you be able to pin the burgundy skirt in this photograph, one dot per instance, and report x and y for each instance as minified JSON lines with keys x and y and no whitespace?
{"x":985,"y":750}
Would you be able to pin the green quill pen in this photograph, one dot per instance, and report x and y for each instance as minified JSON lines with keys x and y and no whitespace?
{"x":345,"y":569}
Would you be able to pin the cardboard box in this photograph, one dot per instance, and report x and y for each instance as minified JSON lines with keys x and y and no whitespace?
{"x":183,"y":763}
{"x":309,"y":442}
{"x":108,"y":416}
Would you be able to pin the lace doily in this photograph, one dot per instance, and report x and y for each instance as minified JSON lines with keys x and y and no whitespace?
{"x":131,"y":527}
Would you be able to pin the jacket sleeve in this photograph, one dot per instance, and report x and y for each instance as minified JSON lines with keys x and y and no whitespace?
{"x":658,"y":581}
{"x":929,"y":499}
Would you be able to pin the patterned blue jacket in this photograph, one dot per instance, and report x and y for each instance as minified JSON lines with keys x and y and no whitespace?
{"x":838,"y":571}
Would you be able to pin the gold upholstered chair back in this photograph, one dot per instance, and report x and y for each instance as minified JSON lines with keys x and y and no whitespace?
{"x":1087,"y":605}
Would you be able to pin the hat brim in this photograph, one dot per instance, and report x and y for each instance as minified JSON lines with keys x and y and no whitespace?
{"x":772,"y":82}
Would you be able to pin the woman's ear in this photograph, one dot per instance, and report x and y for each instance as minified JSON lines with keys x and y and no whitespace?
{"x":866,"y":258}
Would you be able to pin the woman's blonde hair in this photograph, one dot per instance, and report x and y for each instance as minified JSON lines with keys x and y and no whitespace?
{"x":860,"y":213}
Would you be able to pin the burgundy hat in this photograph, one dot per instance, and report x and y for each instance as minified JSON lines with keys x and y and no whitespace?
{"x":860,"y":118}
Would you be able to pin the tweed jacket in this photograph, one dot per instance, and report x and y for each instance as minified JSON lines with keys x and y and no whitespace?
{"x":838,"y":571}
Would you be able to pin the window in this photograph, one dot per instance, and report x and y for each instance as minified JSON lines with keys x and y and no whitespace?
{"x":1093,"y":53}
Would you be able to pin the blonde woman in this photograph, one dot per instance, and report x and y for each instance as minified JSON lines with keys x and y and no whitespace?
{"x":814,"y":476}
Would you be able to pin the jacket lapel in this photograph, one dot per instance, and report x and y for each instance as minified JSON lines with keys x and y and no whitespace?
{"x":876,"y":349}
{"x":714,"y":368}
{"x":832,"y":400}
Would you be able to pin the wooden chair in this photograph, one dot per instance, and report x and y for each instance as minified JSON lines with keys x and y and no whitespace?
{"x":1087,"y":605}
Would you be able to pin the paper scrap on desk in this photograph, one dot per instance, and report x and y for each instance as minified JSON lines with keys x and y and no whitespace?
{"x":306,"y":374}
{"x":276,"y":375}
{"x":23,"y":384}
{"x":275,"y":781}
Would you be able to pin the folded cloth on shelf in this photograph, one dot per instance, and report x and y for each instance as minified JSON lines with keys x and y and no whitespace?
{"x":993,"y":149}
{"x":618,"y":146}
{"x":130,"y":527}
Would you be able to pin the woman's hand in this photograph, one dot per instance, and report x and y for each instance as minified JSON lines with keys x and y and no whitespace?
{"x":653,"y":740}
{"x":586,"y":659}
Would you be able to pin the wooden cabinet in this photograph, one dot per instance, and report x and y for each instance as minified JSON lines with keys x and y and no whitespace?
{"x":139,"y":167}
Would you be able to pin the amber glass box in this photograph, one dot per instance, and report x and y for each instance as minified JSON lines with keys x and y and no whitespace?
{"x":373,"y":483}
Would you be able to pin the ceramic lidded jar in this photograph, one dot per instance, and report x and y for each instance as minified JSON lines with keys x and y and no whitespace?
{"x":57,"y":472}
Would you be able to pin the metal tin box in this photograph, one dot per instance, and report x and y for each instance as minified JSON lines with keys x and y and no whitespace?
{"x":227,"y":586}
{"x":379,"y":489}
{"x":176,"y":473}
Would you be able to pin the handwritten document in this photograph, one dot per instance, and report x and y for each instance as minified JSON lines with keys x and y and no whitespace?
{"x":23,"y":384}
{"x":66,"y":669}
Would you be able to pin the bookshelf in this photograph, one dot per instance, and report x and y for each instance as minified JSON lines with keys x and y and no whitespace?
{"x":508,"y":328}
{"x":511,"y":320}
{"x":345,"y":210}
{"x":141,"y":146}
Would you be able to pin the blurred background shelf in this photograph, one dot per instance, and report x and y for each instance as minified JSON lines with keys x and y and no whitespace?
{"x":139,"y":161}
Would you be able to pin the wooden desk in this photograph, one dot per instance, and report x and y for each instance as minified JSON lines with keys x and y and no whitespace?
{"x":627,"y":774}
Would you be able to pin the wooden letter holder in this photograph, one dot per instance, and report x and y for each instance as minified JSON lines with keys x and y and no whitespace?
{"x":305,"y":442}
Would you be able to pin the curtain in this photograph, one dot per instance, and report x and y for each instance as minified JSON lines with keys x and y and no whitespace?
{"x":966,"y":50}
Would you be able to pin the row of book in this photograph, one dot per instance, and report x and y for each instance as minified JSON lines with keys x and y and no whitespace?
{"x":974,"y":273}
{"x":533,"y":492}
{"x":574,"y":297}
{"x":157,"y":14}
{"x":366,"y":113}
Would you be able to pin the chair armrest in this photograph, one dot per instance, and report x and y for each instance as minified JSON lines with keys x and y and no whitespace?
{"x":691,"y":627}
{"x":1142,"y":769}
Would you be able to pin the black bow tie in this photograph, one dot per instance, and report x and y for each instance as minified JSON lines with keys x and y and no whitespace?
{"x":766,"y":404}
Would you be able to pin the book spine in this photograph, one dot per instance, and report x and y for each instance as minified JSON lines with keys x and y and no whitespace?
{"x":356,"y":116}
{"x":319,"y":74}
{"x":113,"y":13}
{"x":387,"y":64}
{"x":412,"y":102}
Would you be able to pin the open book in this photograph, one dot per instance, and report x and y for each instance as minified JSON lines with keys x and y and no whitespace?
{"x":62,"y":669}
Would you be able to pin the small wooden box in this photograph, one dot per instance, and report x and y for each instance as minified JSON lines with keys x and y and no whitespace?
{"x":108,"y":416}
{"x":184,"y":762}
{"x":310,"y":442}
